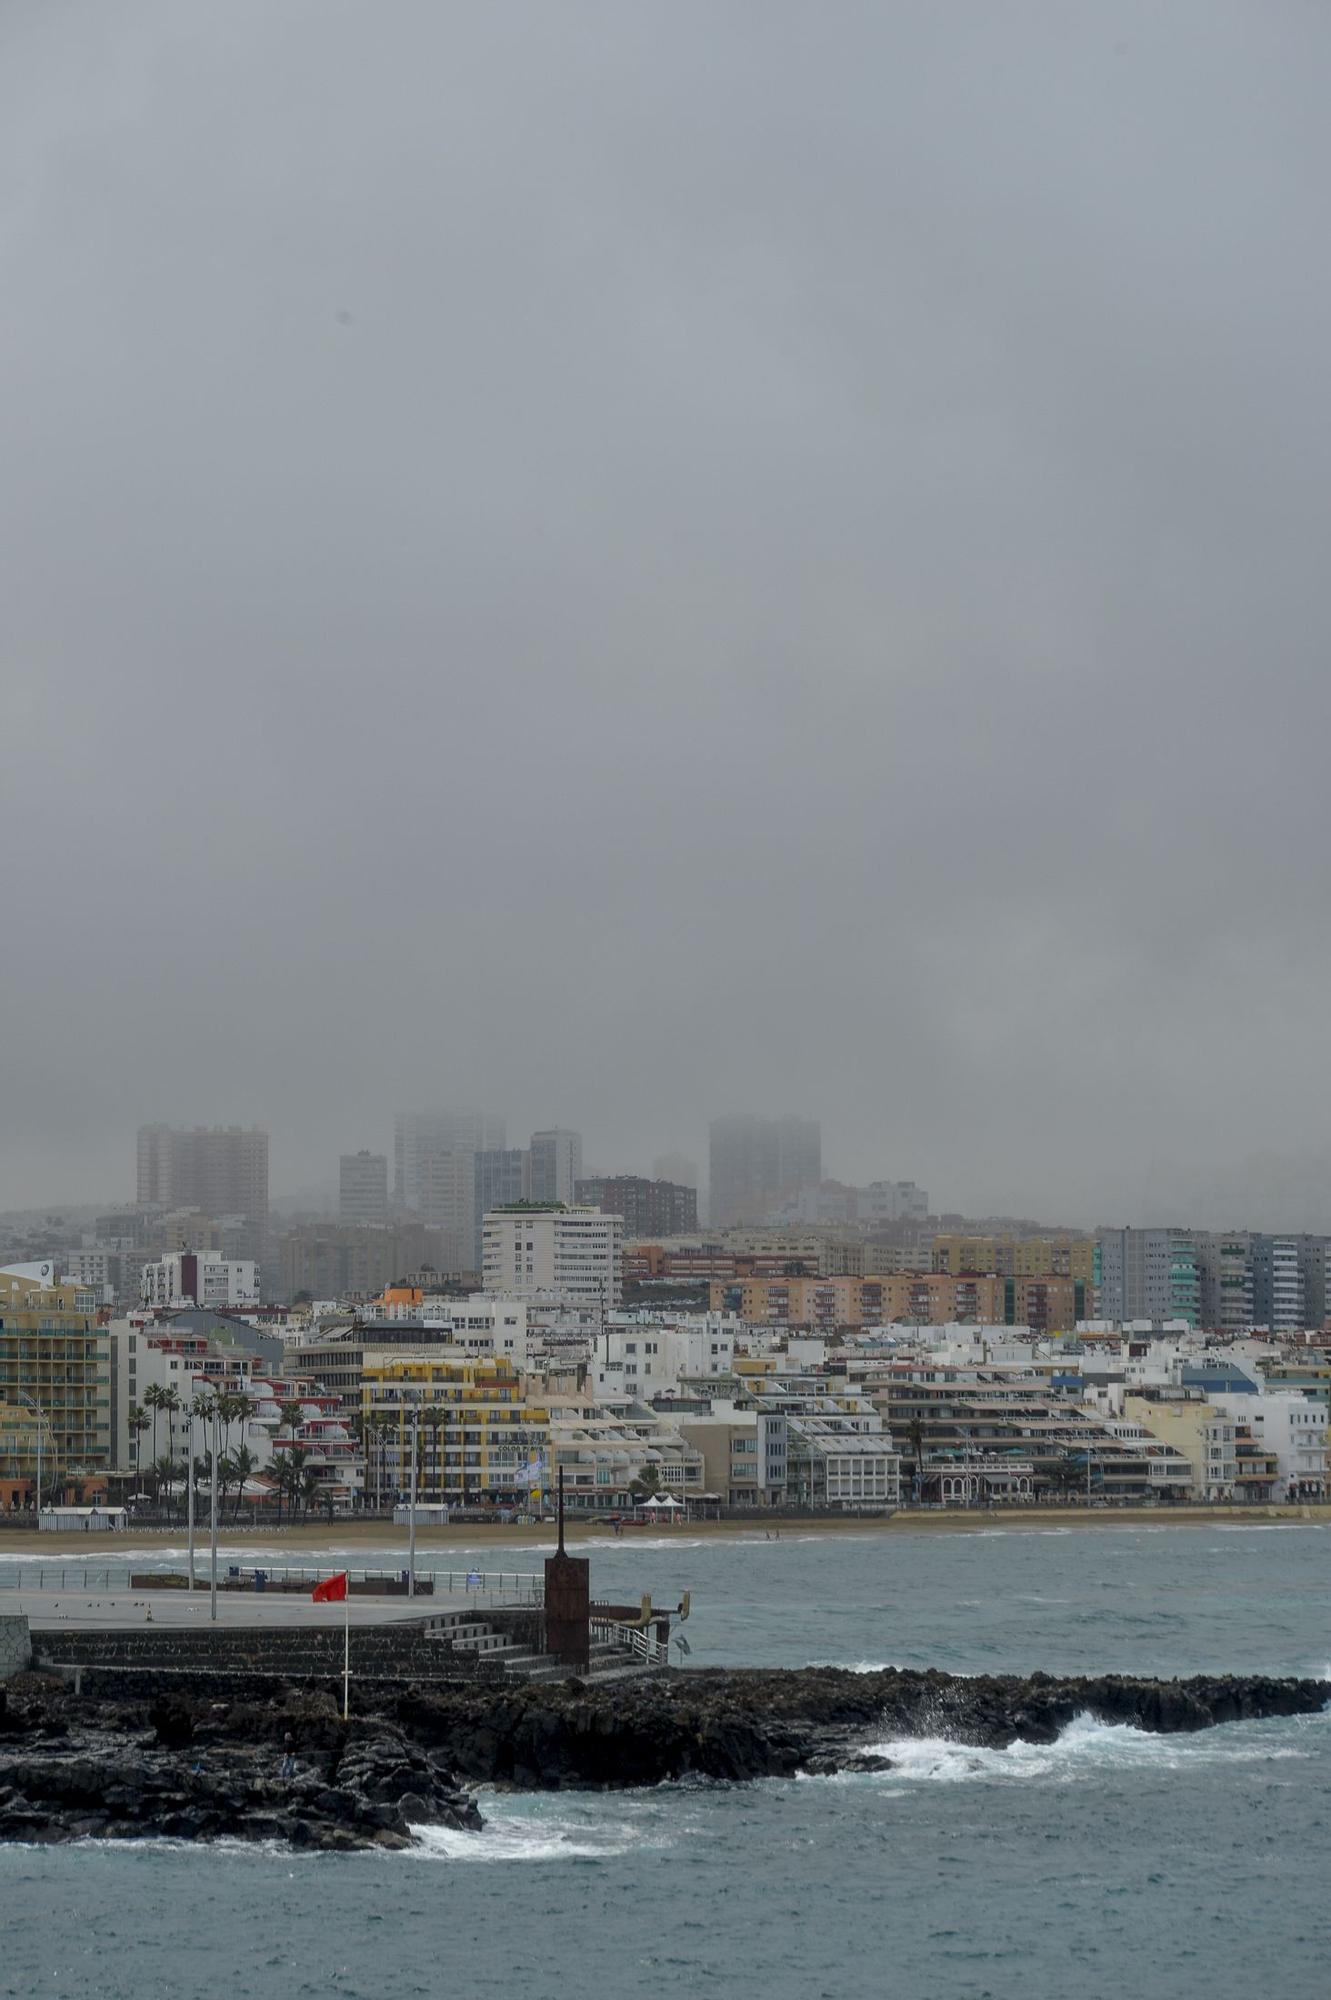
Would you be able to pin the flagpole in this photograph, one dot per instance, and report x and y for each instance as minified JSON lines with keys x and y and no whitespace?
{"x":346,"y":1652}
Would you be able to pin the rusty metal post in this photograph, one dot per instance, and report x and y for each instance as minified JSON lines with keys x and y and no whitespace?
{"x":568,"y":1597}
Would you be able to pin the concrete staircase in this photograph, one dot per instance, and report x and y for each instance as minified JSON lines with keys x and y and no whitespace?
{"x":467,"y":1632}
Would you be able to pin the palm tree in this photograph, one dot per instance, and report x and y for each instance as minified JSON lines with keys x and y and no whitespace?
{"x":204,"y":1407}
{"x":163,"y":1473}
{"x":138,"y":1423}
{"x":234,"y":1409}
{"x":242,"y":1463}
{"x":647,"y":1482}
{"x":152,"y":1398}
{"x":288,"y":1478}
{"x":308,"y":1487}
{"x":1065,"y":1472}
{"x":170,"y":1404}
{"x":295,"y":1472}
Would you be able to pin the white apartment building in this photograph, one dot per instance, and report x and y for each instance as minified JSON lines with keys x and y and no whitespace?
{"x":201,"y":1278}
{"x":484,"y":1327}
{"x":96,"y":1267}
{"x":958,"y":1346}
{"x":1295,"y":1429}
{"x":572,"y":1253}
{"x":836,"y":1464}
{"x":1277,"y":1284}
{"x":602,"y":1451}
{"x":644,"y":1360}
{"x":1220,"y":1465}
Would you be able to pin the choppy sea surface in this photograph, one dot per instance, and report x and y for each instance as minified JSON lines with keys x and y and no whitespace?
{"x":1110,"y":1863}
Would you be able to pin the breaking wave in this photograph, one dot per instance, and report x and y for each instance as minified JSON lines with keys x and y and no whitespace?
{"x":1084,"y":1748}
{"x":512,"y":1834}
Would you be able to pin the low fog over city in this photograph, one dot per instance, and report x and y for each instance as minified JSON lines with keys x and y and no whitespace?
{"x":627,"y":565}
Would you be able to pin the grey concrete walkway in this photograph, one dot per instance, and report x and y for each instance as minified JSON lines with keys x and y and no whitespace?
{"x":174,"y":1610}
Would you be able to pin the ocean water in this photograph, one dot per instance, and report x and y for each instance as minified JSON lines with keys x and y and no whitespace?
{"x":1111,"y":1862}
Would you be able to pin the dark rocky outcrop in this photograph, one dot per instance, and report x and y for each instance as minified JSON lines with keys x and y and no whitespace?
{"x":199,"y":1770}
{"x":750,"y":1724}
{"x":138,"y":1754}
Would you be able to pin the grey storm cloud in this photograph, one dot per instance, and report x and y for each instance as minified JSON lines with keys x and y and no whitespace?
{"x":621,"y":563}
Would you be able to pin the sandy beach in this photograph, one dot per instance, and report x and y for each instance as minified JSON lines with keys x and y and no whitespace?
{"x":471,"y":1535}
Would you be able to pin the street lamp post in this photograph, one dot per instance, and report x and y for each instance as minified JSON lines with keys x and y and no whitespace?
{"x":212,"y":1519}
{"x":411,"y":1504}
{"x":204,"y":1406}
{"x":189,"y":1484}
{"x":43,"y":1422}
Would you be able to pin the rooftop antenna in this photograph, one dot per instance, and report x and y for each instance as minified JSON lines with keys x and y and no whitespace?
{"x":561,"y":1511}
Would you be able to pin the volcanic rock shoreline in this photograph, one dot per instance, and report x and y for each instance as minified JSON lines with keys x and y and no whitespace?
{"x":200,"y":1757}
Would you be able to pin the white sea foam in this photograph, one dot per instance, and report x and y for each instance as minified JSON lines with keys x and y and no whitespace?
{"x":1084,"y":1747}
{"x":538,"y":1838}
{"x":864,"y":1666}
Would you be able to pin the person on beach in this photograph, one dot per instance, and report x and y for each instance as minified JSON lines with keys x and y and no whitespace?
{"x":287,"y":1769}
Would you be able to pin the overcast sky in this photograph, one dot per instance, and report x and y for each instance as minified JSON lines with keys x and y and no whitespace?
{"x":625,"y":562}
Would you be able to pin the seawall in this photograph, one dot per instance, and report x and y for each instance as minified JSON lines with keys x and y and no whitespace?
{"x":396,"y":1653}
{"x":15,"y":1647}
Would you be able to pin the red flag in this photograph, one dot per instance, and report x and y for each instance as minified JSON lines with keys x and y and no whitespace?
{"x":332,"y":1591}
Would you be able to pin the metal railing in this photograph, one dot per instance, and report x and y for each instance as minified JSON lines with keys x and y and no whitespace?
{"x":53,"y":1576}
{"x":488,"y":1587}
{"x":639,"y":1640}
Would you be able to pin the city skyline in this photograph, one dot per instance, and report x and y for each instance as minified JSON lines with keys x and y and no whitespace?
{"x":1266,"y":1191}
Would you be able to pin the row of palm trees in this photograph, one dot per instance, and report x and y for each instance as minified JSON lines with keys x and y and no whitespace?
{"x":159,"y":1402}
{"x":433,"y":1421}
{"x":296,"y":1483}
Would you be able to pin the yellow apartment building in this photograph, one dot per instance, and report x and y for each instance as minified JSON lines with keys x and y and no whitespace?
{"x":477,"y":1436}
{"x":1017,"y":1256}
{"x":55,"y":1356}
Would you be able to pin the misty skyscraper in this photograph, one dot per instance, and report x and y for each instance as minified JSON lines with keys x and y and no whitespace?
{"x":756,"y":1162}
{"x":419,"y":1136}
{"x":363,"y":1187}
{"x":556,"y":1164}
{"x":221,"y":1170}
